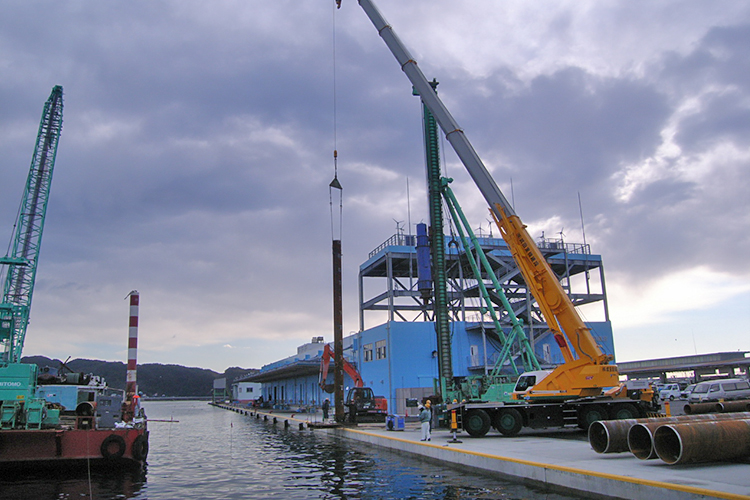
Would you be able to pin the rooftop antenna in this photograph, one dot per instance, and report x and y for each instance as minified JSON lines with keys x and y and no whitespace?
{"x":583,"y":227}
{"x":585,"y":246}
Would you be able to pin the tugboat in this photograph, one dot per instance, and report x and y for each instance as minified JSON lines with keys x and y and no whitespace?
{"x":71,"y":420}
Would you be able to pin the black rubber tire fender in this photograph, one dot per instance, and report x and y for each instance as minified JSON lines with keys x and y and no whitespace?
{"x":109,"y":441}
{"x":139,"y":448}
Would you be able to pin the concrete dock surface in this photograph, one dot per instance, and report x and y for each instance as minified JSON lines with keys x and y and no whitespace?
{"x":560,"y":459}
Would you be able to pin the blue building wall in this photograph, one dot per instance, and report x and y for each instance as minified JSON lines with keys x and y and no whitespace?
{"x":408,"y":360}
{"x":403,"y":355}
{"x":411,"y":354}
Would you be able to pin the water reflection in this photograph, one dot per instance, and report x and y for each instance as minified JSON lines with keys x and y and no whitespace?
{"x":218,"y":454}
{"x":71,"y":484}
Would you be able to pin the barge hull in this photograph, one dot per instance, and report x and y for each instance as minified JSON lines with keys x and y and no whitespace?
{"x":100,"y":447}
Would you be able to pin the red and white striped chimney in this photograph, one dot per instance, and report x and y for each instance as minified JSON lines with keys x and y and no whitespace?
{"x":131,"y":386}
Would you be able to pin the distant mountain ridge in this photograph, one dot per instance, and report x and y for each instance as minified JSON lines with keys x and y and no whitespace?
{"x":153,"y":378}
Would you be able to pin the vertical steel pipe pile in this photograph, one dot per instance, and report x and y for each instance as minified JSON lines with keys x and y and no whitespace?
{"x":703,"y":441}
{"x":612,"y":436}
{"x":338,"y":335}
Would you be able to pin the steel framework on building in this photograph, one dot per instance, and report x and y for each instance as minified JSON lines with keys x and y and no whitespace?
{"x":388,"y":282}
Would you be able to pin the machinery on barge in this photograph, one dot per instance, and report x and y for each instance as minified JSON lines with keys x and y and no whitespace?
{"x":53,"y":418}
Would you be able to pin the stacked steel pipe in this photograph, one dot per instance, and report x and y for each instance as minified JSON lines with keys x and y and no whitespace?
{"x":638,"y":436}
{"x":721,"y":407}
{"x":706,"y":441}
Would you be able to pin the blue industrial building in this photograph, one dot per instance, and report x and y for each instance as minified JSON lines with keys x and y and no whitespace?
{"x":397,"y":356}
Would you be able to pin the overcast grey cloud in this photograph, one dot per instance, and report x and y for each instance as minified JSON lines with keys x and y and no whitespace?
{"x":198,"y":139}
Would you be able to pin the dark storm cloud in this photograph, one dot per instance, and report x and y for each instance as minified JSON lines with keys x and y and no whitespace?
{"x":567,"y":132}
{"x":197,"y":151}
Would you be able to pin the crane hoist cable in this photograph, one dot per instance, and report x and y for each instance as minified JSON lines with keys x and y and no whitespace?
{"x":335,"y":184}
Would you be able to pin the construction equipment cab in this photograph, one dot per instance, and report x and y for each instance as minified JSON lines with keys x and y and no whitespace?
{"x":362,"y":406}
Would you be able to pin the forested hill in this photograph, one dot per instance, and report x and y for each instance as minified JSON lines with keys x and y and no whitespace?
{"x":153,"y":378}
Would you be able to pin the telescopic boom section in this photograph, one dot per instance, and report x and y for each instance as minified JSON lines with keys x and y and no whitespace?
{"x":22,"y":261}
{"x":557,"y":308}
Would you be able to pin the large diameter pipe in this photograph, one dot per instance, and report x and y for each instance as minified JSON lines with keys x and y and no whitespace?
{"x":641,"y":439}
{"x":734,"y":406}
{"x":708,"y":441}
{"x":641,"y":435}
{"x":611,"y":436}
{"x":698,"y":408}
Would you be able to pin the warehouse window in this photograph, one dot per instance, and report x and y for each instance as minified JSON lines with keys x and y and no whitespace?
{"x":380,"y":349}
{"x":367,"y":348}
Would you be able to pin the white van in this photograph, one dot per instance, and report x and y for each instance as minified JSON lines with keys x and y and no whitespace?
{"x":720,"y":390}
{"x":670,"y":391}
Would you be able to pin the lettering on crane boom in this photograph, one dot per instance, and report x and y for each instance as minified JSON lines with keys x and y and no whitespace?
{"x":528,"y":251}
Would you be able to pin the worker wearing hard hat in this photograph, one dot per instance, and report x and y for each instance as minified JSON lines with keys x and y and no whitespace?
{"x":425,"y":415}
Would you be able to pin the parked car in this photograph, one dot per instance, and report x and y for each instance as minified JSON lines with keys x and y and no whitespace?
{"x":670,"y":391}
{"x":717,"y":390}
{"x":685,"y":393}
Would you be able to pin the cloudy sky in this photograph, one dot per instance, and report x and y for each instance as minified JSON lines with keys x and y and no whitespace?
{"x":198,"y":139}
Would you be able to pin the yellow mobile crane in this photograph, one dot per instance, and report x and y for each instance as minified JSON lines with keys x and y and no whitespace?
{"x":583,"y":389}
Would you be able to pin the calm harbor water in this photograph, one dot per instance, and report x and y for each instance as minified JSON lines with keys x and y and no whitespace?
{"x":217,"y":454}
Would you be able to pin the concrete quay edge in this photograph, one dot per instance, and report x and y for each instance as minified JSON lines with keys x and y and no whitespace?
{"x":570,"y":464}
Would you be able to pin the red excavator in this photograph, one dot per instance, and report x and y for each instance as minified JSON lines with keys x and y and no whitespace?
{"x":360,"y":405}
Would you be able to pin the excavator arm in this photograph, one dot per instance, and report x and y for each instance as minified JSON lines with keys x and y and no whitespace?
{"x":325,"y":363}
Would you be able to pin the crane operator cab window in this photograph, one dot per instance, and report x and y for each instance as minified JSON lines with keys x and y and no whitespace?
{"x":525,"y":382}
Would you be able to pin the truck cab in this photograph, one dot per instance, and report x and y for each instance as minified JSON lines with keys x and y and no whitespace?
{"x":527,"y":380}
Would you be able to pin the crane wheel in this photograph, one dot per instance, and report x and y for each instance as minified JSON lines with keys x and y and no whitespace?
{"x":588,"y":414}
{"x":623,"y":412}
{"x":477,"y":423}
{"x":508,"y":422}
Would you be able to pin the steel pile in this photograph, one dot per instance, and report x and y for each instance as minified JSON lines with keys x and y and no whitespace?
{"x":717,"y":407}
{"x":637,"y":435}
{"x":706,"y":441}
{"x":611,"y":436}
